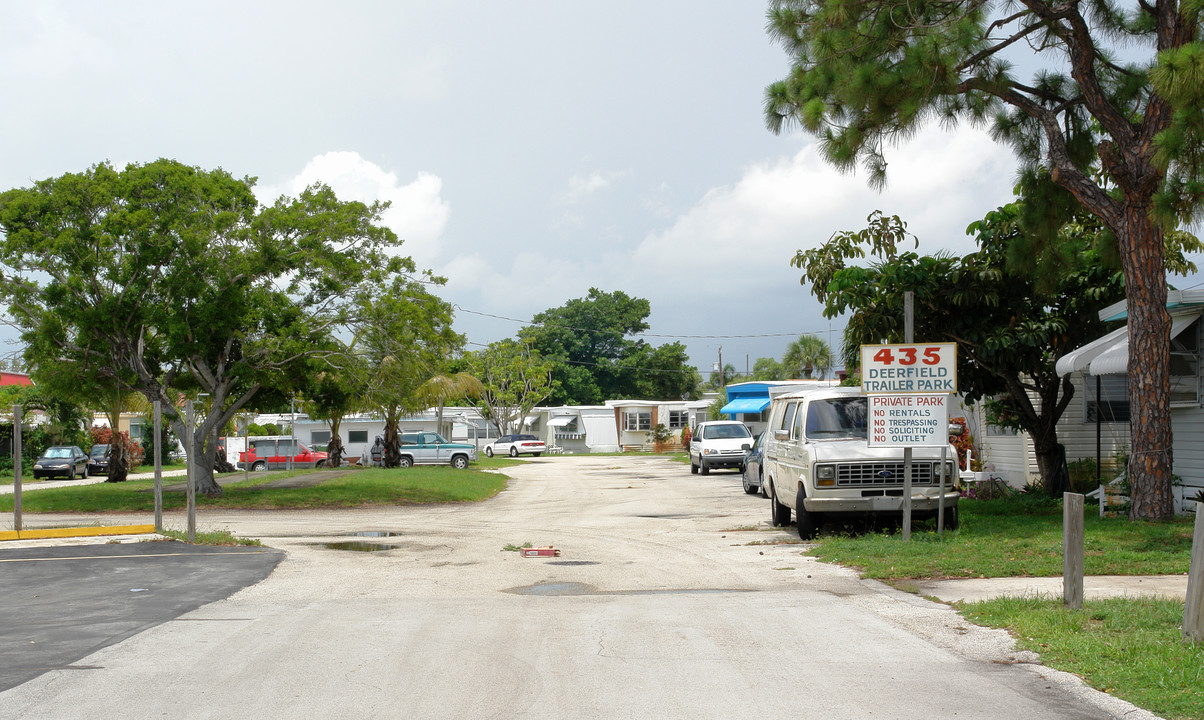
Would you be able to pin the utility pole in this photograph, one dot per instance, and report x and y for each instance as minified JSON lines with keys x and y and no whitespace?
{"x":722,"y":379}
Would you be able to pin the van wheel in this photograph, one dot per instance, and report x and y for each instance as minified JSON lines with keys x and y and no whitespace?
{"x":693,"y":467}
{"x":778,"y":513}
{"x":808,"y":522}
{"x":702,"y":467}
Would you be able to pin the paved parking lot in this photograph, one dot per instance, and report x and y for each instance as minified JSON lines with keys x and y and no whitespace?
{"x":63,"y":603}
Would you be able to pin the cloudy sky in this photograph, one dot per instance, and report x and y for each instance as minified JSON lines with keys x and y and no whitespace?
{"x":531,"y":149}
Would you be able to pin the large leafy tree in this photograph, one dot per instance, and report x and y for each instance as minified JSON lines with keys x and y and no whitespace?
{"x":514,"y":378}
{"x":1110,"y":121}
{"x":171,"y":280}
{"x":594,"y":359}
{"x":406,"y":337}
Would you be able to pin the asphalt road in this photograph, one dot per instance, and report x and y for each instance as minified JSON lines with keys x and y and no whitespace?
{"x":669,"y":600}
{"x":61,"y":604}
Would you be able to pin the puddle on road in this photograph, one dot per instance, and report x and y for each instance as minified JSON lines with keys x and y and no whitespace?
{"x":376,"y":533}
{"x":572,"y":562}
{"x":360,"y":546}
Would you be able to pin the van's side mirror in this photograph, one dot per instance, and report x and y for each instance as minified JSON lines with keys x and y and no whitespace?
{"x":746,"y":447}
{"x":781,"y":434}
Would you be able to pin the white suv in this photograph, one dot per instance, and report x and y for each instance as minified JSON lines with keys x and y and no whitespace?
{"x":720,"y":443}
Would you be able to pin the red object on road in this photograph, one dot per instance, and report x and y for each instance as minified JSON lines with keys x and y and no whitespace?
{"x":541,"y":552}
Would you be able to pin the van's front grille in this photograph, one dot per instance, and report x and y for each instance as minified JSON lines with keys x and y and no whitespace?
{"x":883,"y":473}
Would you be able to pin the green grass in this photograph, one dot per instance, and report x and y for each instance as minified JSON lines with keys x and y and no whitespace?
{"x":1127,"y":647}
{"x":357,"y":488}
{"x":1012,"y":537}
{"x":212,"y":537}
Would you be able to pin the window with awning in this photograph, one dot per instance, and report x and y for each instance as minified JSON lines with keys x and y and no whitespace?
{"x":1109,"y":356}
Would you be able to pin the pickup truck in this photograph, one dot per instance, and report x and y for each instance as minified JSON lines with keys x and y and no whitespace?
{"x":818,"y":463}
{"x":278,"y":453}
{"x":428,"y":448}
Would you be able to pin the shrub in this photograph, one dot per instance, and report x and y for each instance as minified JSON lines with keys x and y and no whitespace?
{"x":133,"y":451}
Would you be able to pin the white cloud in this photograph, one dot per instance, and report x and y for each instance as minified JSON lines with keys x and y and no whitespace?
{"x":938,"y":183}
{"x":582,"y":187}
{"x":417,"y":212}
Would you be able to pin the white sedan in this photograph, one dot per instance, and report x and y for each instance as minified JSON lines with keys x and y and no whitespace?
{"x":515,"y":445}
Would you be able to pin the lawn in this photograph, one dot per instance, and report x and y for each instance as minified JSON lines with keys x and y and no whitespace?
{"x":1128,"y":647}
{"x":1012,"y":537}
{"x":356,"y":487}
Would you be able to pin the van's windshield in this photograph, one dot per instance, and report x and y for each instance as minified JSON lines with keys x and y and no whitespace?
{"x":837,"y":418}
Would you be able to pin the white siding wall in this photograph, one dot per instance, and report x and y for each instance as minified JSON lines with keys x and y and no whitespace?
{"x":1188,"y":451}
{"x":1079,"y":436}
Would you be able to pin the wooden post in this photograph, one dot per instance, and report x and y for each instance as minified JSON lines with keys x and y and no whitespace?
{"x":1072,"y":550}
{"x":1193,"y":608}
{"x":191,"y":484}
{"x":158,"y":466}
{"x":18,"y":471}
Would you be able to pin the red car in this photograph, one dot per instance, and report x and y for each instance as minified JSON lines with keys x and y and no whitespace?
{"x":275,"y":453}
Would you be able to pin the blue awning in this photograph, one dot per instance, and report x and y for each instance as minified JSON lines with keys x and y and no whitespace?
{"x":747,"y":406}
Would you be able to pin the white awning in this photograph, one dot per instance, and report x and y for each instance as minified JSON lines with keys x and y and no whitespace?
{"x":561,"y":420}
{"x":530,"y":420}
{"x":1109,"y":355}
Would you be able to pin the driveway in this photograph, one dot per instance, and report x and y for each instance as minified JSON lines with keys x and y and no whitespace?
{"x":670,"y":599}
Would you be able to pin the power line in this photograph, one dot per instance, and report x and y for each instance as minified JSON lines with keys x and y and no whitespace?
{"x":644,"y":334}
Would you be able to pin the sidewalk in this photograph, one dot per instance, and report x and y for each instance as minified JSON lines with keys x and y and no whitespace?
{"x":1094,"y":587}
{"x":29,"y":485}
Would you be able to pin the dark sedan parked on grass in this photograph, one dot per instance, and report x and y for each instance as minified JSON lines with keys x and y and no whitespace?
{"x":751,"y":467}
{"x":98,"y":460}
{"x":61,"y":461}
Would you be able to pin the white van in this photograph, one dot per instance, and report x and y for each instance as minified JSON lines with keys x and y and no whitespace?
{"x":818,"y":462}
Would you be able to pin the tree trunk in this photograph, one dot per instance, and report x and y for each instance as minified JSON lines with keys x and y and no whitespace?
{"x":334,"y":451}
{"x":1149,"y":325}
{"x":119,"y":465}
{"x":392,"y":456}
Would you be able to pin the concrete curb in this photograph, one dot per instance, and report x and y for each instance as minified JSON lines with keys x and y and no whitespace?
{"x":76,"y":532}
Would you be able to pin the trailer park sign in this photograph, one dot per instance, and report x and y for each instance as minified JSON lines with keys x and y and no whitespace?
{"x":904,"y":369}
{"x":908,"y":388}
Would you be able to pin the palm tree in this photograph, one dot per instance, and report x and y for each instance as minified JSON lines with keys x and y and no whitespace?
{"x":806,"y":355}
{"x":441,"y":388}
